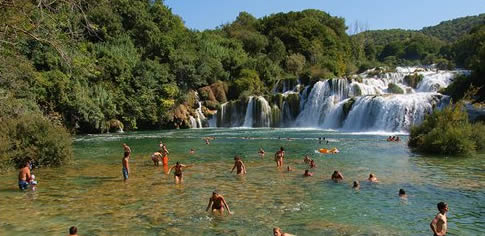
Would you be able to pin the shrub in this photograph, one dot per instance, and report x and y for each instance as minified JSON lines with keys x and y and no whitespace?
{"x":413,"y":80}
{"x":393,"y":88}
{"x":447,"y":132}
{"x":32,"y":136}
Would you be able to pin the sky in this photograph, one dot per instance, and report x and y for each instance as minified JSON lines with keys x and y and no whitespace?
{"x":373,"y":14}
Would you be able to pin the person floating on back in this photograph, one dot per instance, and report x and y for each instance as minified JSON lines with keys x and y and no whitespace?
{"x":337,"y":176}
{"x":73,"y":231}
{"x":218,"y":203}
{"x":126,"y":166}
{"x":24,"y":176}
{"x":440,"y":223}
{"x":238,"y":163}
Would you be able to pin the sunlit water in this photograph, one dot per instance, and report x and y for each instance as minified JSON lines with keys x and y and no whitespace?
{"x":90,"y":193}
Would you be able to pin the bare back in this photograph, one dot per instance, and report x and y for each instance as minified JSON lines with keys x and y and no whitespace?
{"x":24,"y":173}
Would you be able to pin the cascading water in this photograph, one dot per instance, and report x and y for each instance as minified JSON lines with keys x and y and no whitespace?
{"x":193,"y":122}
{"x":371,"y":101}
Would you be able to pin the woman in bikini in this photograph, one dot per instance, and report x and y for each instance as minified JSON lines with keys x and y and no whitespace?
{"x":178,"y":175}
{"x":218,"y":203}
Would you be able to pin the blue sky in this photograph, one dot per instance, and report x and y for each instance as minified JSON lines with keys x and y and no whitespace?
{"x":376,"y":14}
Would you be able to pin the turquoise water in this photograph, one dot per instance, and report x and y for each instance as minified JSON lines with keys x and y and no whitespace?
{"x":90,"y":193}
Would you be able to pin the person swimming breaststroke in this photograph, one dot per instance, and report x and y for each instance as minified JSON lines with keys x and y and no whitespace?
{"x":218,"y":203}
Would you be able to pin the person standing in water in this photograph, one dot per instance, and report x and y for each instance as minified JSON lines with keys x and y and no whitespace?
{"x":126,"y":166}
{"x":218,"y":204}
{"x":277,"y":232}
{"x":278,"y":156}
{"x":440,"y":223}
{"x":24,"y":176}
{"x":337,"y":176}
{"x":241,"y":168}
{"x":402,"y":194}
{"x":178,"y":174}
{"x":126,"y":149}
{"x":165,"y":153}
{"x":307,"y":173}
{"x":261,"y":152}
{"x":73,"y":231}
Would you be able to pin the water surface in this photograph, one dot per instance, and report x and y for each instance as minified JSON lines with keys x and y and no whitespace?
{"x":90,"y":193}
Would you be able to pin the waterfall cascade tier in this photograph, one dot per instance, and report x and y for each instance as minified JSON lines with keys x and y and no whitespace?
{"x":371,"y":101}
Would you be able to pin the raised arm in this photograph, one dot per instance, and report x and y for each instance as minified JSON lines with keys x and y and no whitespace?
{"x":227,"y":206}
{"x":210,"y":203}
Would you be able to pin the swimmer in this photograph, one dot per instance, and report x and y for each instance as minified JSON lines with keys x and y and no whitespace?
{"x":397,"y":139}
{"x":356,"y":185}
{"x":307,"y":159}
{"x":402,"y":194}
{"x":24,"y":176}
{"x":440,"y":223}
{"x":73,"y":231}
{"x":207,"y":141}
{"x":126,"y":166}
{"x":289,"y":168}
{"x":241,"y":168}
{"x":126,"y":148}
{"x":320,"y":140}
{"x":277,"y":232}
{"x":337,"y":176}
{"x":372,"y":178}
{"x":307,"y":173}
{"x":156,"y":158}
{"x":218,"y":203}
{"x":261,"y":152}
{"x":312,"y":164}
{"x":278,"y":157}
{"x":165,"y":153}
{"x":192,"y":151}
{"x":178,"y":175}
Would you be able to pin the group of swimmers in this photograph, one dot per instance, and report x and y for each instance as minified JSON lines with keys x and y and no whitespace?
{"x":393,"y":139}
{"x":217,"y":203}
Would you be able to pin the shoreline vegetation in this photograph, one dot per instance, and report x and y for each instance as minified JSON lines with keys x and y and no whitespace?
{"x":93,"y":67}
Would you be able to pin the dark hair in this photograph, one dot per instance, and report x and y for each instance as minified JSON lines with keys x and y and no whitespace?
{"x":127,"y":154}
{"x":73,"y":230}
{"x":282,"y":148}
{"x":402,"y":192}
{"x":178,"y":163}
{"x":441,"y":205}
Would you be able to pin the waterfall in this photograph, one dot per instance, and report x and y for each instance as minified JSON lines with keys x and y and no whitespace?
{"x":248,"y":119}
{"x":375,"y":100}
{"x":200,"y":115}
{"x":193,"y":122}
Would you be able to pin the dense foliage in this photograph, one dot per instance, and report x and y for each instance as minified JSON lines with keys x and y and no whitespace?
{"x":448,"y":132}
{"x":453,"y":30}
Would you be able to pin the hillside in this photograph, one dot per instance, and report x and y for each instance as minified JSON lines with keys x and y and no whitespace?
{"x":452,"y":30}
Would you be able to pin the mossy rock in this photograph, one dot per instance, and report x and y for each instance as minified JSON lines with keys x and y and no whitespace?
{"x":348,"y":106}
{"x":212,"y":105}
{"x":219,"y":89}
{"x":393,"y":88}
{"x":206,"y":94}
{"x":413,"y":80}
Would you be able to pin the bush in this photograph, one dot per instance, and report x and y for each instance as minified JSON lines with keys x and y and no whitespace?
{"x":413,"y":80}
{"x":393,"y":88}
{"x":447,"y":132}
{"x":32,"y":136}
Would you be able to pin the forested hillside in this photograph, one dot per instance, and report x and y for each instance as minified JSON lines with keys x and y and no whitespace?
{"x":452,"y":30}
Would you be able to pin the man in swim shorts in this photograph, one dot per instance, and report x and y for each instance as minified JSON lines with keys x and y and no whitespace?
{"x":439,"y":224}
{"x":218,"y":204}
{"x":126,"y":166}
{"x":278,"y":156}
{"x":24,"y":176}
{"x":241,"y":168}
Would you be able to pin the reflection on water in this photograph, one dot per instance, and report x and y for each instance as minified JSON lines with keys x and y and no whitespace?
{"x":90,"y":193}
